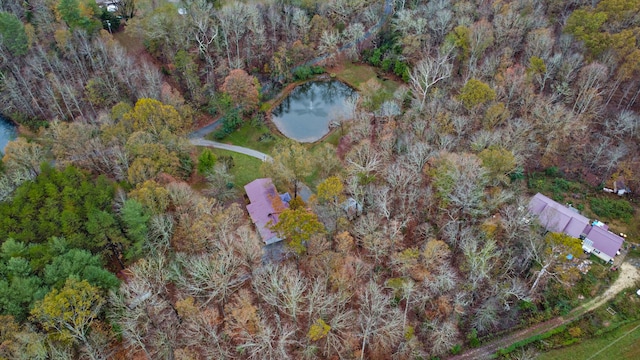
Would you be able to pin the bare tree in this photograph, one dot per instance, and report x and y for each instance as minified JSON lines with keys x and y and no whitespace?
{"x":428,"y":72}
{"x":209,"y":277}
{"x":539,"y":43}
{"x":590,"y":82}
{"x":364,"y":158}
{"x":126,"y":8}
{"x":486,"y":316}
{"x":481,"y":259}
{"x":380,"y":325}
{"x":203,"y":29}
{"x":550,"y":251}
{"x":270,"y":343}
{"x":21,"y":155}
{"x":351,"y":35}
{"x":329,"y":46}
{"x":443,"y":336}
{"x":626,"y":124}
{"x":148,"y":320}
{"x":480,"y":40}
{"x":281,"y":287}
{"x":440,"y":22}
{"x":233,"y":24}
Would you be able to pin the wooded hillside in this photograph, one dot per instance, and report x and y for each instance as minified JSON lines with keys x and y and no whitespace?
{"x":121,"y":239}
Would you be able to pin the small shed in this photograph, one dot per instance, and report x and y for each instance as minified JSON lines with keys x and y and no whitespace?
{"x":620,"y":187}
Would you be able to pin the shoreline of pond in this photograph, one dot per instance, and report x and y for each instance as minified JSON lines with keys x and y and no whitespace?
{"x":9,"y":130}
{"x":288,"y":89}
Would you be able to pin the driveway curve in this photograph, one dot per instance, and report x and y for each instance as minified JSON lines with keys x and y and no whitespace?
{"x":234,"y":148}
{"x":197,"y":136}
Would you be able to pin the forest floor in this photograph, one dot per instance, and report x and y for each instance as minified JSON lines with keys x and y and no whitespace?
{"x":629,"y":275}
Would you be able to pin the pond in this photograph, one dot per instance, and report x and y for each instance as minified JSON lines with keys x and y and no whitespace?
{"x":7,"y":132}
{"x":306,"y":113}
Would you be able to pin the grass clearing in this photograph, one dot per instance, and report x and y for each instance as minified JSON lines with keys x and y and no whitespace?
{"x":333,"y":138}
{"x":356,"y":74}
{"x":626,"y":346}
{"x":367,"y":81}
{"x":245,"y":169}
{"x":610,"y":208}
{"x":252,"y":137}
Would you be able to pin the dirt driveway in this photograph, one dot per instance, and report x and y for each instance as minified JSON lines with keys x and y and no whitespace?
{"x":629,"y":274}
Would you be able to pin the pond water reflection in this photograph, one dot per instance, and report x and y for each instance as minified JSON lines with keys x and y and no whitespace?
{"x":7,"y":132}
{"x":306,"y":113}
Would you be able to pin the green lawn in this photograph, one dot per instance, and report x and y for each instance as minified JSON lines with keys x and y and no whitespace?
{"x":359,"y":76}
{"x":257,"y":138}
{"x":626,"y":346}
{"x":246,"y":168}
{"x":356,"y":75}
{"x":333,"y":138}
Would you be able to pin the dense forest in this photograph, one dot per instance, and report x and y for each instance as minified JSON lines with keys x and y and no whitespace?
{"x":122,"y":239}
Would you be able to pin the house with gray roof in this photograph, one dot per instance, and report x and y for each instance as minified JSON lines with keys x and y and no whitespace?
{"x":596,"y":238}
{"x":601,"y":242}
{"x":264,"y":206}
{"x":556,"y":217}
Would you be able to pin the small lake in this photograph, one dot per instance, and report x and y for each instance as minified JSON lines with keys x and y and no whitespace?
{"x":304,"y":115}
{"x":8,"y":132}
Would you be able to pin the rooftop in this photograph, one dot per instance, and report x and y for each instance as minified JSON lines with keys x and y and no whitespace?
{"x":604,"y":240}
{"x":556,"y":217}
{"x":265,"y":205}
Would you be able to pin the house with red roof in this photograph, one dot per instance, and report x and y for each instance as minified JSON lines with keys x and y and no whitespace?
{"x":264,"y":206}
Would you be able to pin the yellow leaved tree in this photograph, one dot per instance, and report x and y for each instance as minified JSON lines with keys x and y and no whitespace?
{"x":67,"y":314}
{"x":318,"y":330}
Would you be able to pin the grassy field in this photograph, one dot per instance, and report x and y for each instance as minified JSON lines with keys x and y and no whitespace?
{"x":257,"y":138}
{"x":358,"y":74}
{"x":623,"y":343}
{"x":246,"y":168}
{"x":374,"y":89}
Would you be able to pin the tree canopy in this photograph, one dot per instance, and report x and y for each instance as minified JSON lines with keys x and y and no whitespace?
{"x":297,"y":227}
{"x":12,"y":34}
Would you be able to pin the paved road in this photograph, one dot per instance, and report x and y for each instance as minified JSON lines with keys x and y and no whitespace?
{"x":197,"y":137}
{"x":203,"y":131}
{"x":234,"y":148}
